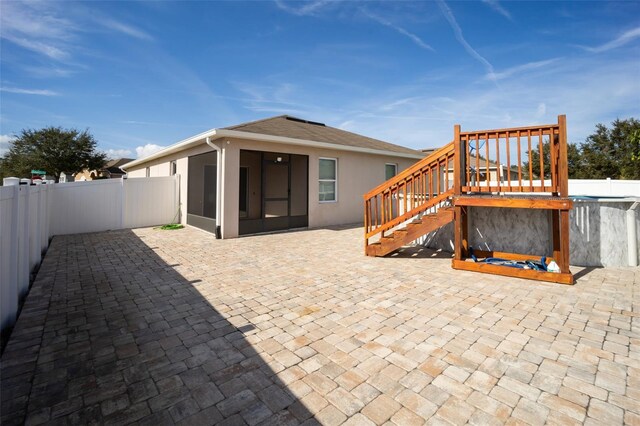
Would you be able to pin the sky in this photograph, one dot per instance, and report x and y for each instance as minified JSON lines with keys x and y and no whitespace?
{"x":144,"y":75}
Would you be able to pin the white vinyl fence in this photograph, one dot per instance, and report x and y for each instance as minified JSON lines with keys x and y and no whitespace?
{"x":604,"y":187}
{"x":31,"y":215}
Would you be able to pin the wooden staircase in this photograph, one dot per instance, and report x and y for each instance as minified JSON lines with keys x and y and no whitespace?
{"x":466,"y":174}
{"x":411,"y":204}
{"x":414,"y":230}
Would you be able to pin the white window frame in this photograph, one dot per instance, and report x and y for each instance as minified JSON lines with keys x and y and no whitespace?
{"x":385,"y":170}
{"x":335,"y":181}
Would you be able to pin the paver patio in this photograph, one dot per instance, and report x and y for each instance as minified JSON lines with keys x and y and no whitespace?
{"x":162,"y":327}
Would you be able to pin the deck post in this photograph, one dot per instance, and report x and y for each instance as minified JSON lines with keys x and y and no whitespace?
{"x":459,"y":157}
{"x":563,"y":186}
{"x":460,"y":213}
{"x":563,"y":163}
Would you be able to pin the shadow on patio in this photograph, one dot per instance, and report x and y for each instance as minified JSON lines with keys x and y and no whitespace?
{"x":111,"y":333}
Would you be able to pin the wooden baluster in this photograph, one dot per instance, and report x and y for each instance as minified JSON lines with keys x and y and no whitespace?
{"x":519,"y":162}
{"x":477,"y":165}
{"x":385,"y":210}
{"x":486,"y":144}
{"x":541,"y":148}
{"x":498,"y":166}
{"x":416,"y":190}
{"x":446,"y":175}
{"x":508,"y":177}
{"x":406,"y":201}
{"x":530,"y":162}
{"x":552,"y":157}
{"x":468,"y":162}
{"x":375,"y":212}
{"x":438,"y":181}
{"x":397,"y":198}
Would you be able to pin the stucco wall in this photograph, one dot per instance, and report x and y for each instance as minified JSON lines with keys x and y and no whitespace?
{"x":598,"y":232}
{"x":161,"y":167}
{"x":357,"y":174}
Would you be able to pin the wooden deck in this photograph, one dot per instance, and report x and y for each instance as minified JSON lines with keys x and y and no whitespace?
{"x":470,"y":174}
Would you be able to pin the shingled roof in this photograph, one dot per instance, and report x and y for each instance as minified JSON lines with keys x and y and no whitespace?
{"x":290,"y":130}
{"x":297,"y":128}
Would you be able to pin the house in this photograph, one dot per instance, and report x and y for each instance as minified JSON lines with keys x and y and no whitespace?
{"x":110,"y":170}
{"x":274,"y":174}
{"x":496,"y":171}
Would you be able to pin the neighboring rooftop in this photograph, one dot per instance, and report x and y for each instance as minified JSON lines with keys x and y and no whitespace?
{"x":117,"y":162}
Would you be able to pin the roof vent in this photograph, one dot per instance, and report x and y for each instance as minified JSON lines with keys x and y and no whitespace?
{"x":300,"y":120}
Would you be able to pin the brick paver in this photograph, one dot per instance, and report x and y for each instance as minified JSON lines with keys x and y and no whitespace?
{"x":163,"y":327}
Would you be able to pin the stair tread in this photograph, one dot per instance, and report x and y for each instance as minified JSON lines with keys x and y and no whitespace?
{"x":412,"y":231}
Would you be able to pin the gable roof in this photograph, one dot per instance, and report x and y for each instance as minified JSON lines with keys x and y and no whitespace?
{"x":293,"y":127}
{"x":293,"y":131}
{"x":117,"y":162}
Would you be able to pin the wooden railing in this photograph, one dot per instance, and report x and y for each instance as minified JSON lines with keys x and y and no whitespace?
{"x":514,"y":160}
{"x":517,"y":160}
{"x":413,"y":191}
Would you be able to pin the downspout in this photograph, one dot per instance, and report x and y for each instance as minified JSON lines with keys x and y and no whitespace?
{"x":632,"y":236}
{"x":218,"y":186}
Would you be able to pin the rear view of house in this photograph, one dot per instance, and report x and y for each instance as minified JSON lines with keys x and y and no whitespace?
{"x":274,"y":174}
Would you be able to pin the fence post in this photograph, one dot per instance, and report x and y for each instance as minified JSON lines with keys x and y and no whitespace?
{"x":177,"y":199}
{"x":23,"y":243}
{"x":35,"y":252}
{"x":122,"y":202}
{"x":13,"y":254}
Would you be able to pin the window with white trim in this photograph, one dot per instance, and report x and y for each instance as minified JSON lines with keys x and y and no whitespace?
{"x":328,"y":180}
{"x":390,"y":170}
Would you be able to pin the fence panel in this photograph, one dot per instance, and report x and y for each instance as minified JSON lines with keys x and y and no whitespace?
{"x":91,"y":206}
{"x":9,"y":196}
{"x":24,"y":199}
{"x":604,"y":187}
{"x":150,"y":201}
{"x":30,"y":215}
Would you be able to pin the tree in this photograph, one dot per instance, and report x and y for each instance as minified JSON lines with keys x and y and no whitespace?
{"x":608,"y":153}
{"x":52,"y":149}
{"x":613,"y":153}
{"x":574,"y":160}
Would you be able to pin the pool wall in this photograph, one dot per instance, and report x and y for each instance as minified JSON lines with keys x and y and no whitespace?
{"x":598,"y":231}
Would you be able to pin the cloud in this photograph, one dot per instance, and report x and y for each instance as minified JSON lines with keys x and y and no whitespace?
{"x":458,"y":33}
{"x":393,"y":105}
{"x":620,"y":41}
{"x":126,"y":29}
{"x":147,"y":150}
{"x":48,"y":72}
{"x":495,"y":5}
{"x":417,"y":40}
{"x":5,"y":143}
{"x":118,"y":153}
{"x":566,"y":87}
{"x":541,"y":110}
{"x":309,"y":8}
{"x":38,"y":92}
{"x":30,"y":26}
{"x":55,"y":30}
{"x":43,"y":48}
{"x":509,"y":72}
